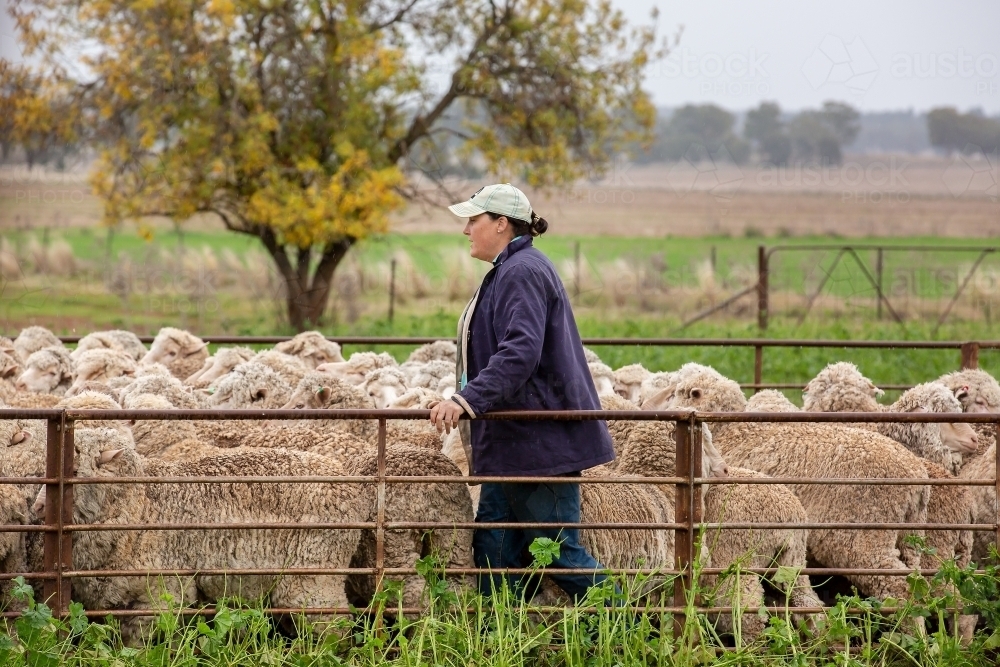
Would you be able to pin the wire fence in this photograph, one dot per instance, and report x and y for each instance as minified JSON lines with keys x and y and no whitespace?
{"x":58,"y":527}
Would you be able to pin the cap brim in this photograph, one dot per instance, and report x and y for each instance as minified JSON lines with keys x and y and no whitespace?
{"x":466,"y":209}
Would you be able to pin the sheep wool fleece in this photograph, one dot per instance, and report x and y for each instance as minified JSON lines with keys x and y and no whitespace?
{"x":524,"y":352}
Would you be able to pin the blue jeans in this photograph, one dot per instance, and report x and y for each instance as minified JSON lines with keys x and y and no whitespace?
{"x":508,"y":547}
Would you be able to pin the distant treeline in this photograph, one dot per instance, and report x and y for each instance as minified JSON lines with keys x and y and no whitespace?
{"x":767,"y":134}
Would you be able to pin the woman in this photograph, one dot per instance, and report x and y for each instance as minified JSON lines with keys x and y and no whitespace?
{"x":520,"y":349}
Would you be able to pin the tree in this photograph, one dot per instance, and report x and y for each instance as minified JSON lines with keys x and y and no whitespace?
{"x":695,"y":131}
{"x":950,"y":130}
{"x":292,"y":120}
{"x":765,"y":128}
{"x":36,"y":114}
{"x":822,"y":135}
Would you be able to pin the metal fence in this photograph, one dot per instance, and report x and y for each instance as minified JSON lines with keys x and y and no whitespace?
{"x":58,"y":527}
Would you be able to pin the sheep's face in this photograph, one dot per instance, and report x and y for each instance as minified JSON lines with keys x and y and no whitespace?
{"x":168,"y":350}
{"x":705,"y":392}
{"x":326,"y":355}
{"x":213,"y":369}
{"x":41,"y":378}
{"x":101,"y":366}
{"x":311,"y":398}
{"x":712,"y":463}
{"x":974,"y":401}
{"x":344,"y":371}
{"x":384,"y":390}
{"x":629,"y":391}
{"x":959,"y":437}
{"x":605,"y":385}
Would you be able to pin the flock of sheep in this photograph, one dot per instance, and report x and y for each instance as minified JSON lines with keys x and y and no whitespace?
{"x":113,"y":369}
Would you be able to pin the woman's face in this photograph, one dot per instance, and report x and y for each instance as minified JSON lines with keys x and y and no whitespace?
{"x":486,"y":242}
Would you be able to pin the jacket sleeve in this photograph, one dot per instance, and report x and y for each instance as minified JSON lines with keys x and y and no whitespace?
{"x":521,"y":310}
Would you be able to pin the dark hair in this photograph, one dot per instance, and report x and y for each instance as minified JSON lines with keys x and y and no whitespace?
{"x":536,"y":227}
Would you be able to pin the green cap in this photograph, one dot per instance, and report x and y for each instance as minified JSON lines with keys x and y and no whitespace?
{"x":502,"y":199}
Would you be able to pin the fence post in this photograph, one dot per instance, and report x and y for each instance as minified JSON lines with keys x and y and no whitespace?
{"x":762,"y":288}
{"x":57,"y":546}
{"x":682,"y":515}
{"x":879,"y":269}
{"x":758,"y":367}
{"x":392,"y":289}
{"x":970,"y":355}
{"x":380,"y":515}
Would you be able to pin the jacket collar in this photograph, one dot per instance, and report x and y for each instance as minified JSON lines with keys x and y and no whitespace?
{"x":512,"y":247}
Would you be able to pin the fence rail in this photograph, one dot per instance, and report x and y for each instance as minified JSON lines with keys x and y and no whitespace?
{"x":58,"y":527}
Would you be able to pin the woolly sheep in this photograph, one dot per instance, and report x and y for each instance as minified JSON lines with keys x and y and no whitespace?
{"x":355,"y":369}
{"x":13,"y":508}
{"x":224,"y":360}
{"x":312,"y":348}
{"x":655,"y":383}
{"x":427,"y":374}
{"x":94,"y":400}
{"x":628,"y":381}
{"x":320,"y":391}
{"x":157,"y":437}
{"x":755,"y":548}
{"x":414,"y":502}
{"x":770,"y":400}
{"x":180,"y":351}
{"x":250,"y":385}
{"x":337,"y":446}
{"x":840,"y":387}
{"x":604,"y":378}
{"x":33,"y":339}
{"x":169,"y":387}
{"x":291,"y":369}
{"x":47,"y":371}
{"x":820,"y":451}
{"x":591,"y":356}
{"x":978,"y":392}
{"x":984,"y":500}
{"x":385,"y":385}
{"x":442,"y":350}
{"x":102,"y":453}
{"x":115,"y":339}
{"x":102,"y":365}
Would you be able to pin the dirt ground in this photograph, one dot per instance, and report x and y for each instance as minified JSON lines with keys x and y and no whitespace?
{"x":865,"y":196}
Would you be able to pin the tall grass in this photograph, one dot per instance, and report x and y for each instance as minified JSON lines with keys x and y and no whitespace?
{"x":465,"y":629}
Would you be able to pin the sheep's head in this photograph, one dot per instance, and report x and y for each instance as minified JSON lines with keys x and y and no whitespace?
{"x":356,"y":369}
{"x":100,"y":452}
{"x":976,"y":389}
{"x":250,"y":385}
{"x":712,"y":463}
{"x":312,"y":348}
{"x":770,"y":400}
{"x":935,"y":397}
{"x":385,"y":385}
{"x":702,"y":389}
{"x":628,"y":381}
{"x":418,"y":398}
{"x":172,"y":346}
{"x":33,"y":339}
{"x":220,"y":363}
{"x":101,"y":365}
{"x":603,"y":376}
{"x":45,"y":370}
{"x":841,"y":387}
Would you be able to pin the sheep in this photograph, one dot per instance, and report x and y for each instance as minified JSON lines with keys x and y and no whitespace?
{"x":443,"y":350}
{"x":770,"y":400}
{"x":414,"y":502}
{"x":820,"y":451}
{"x":337,"y":446}
{"x":94,"y":400}
{"x":13,"y":508}
{"x":291,"y":369}
{"x":102,"y":365}
{"x":385,"y":385}
{"x":628,"y":381}
{"x":250,"y":385}
{"x":842,"y":388}
{"x":591,"y":356}
{"x":224,"y":360}
{"x":33,"y":339}
{"x":755,"y":548}
{"x":355,"y":369}
{"x":984,"y":500}
{"x":655,"y":383}
{"x":116,"y":339}
{"x":427,"y":374}
{"x":180,"y":351}
{"x":319,"y":391}
{"x":104,"y":453}
{"x":604,"y":378}
{"x":47,"y":371}
{"x":159,"y":438}
{"x":169,"y":387}
{"x":312,"y":348}
{"x":978,"y":392}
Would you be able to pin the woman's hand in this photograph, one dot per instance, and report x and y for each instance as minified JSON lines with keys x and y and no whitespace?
{"x":444,"y":415}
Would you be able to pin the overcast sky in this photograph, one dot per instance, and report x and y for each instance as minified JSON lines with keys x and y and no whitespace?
{"x":874,"y":54}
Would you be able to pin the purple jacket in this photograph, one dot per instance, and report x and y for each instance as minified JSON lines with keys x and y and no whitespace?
{"x":524,"y":352}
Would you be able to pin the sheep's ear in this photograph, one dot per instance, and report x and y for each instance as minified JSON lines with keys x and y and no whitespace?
{"x":962,"y":392}
{"x":809,"y":387}
{"x":323,"y":393}
{"x":658,"y":400}
{"x":919,"y":408}
{"x":108,"y":456}
{"x":260,"y":394}
{"x":20,"y":437}
{"x":696,"y":393}
{"x":193,"y":348}
{"x":10,"y":371}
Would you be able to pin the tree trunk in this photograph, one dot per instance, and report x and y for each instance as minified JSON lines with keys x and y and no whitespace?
{"x":306,"y":290}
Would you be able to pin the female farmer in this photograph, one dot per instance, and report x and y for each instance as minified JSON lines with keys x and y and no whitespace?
{"x":520,"y":349}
